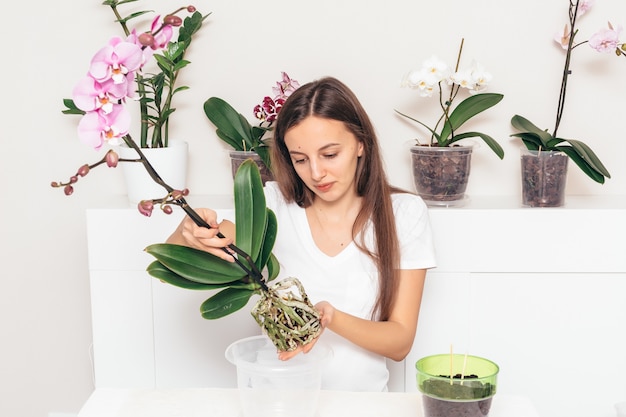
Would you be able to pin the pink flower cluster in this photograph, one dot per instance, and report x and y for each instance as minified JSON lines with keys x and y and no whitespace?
{"x":605,"y":40}
{"x":110,"y":80}
{"x":270,"y":107}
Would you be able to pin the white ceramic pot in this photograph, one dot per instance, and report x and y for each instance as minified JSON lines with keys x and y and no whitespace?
{"x":170,"y":163}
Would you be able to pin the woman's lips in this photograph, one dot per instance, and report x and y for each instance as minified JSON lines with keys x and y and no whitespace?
{"x":324,"y":187}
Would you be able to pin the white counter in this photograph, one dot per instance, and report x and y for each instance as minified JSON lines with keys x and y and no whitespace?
{"x":222,"y":402}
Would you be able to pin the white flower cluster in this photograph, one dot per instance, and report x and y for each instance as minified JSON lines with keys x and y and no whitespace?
{"x":434,"y":71}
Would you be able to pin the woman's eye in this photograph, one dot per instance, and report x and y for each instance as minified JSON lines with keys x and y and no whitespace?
{"x":298,"y":161}
{"x":330,"y":155}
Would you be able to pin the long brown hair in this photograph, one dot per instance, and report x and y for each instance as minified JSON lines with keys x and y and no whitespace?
{"x":330,"y":98}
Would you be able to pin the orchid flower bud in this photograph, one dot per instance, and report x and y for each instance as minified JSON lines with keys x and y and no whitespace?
{"x":167,"y":209}
{"x":83,"y":170}
{"x":145,"y":207}
{"x":68,"y":190}
{"x":112,"y":158}
{"x":146,"y":39}
{"x":172,"y":20}
{"x":191,"y":8}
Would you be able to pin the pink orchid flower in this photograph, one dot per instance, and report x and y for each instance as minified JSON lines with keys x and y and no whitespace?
{"x":96,"y":127}
{"x":584,"y":6}
{"x":115,"y":61}
{"x":146,"y":52}
{"x":563,"y":38}
{"x":269,"y":109}
{"x":285,"y":87}
{"x":606,"y":40}
{"x":90,"y":95}
{"x":162,"y":34}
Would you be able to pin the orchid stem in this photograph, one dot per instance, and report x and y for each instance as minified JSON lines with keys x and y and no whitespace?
{"x":253,"y":271}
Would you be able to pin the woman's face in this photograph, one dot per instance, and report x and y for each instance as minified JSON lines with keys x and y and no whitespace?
{"x":324,"y":154}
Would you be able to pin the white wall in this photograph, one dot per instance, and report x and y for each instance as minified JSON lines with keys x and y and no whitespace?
{"x":44,"y":308}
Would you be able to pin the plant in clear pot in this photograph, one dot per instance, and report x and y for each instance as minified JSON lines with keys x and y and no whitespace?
{"x":246,"y":140}
{"x":441,"y":166}
{"x":544,"y":160}
{"x":120,"y":72}
{"x":456,"y":385}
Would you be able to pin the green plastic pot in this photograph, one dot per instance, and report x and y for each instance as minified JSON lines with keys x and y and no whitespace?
{"x":456,"y":385}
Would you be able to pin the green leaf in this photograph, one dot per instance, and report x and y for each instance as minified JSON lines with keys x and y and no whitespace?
{"x":530,"y":140}
{"x":250,"y":209}
{"x":435,"y":134}
{"x":582,"y":164}
{"x":526,"y":127}
{"x":225,"y":302}
{"x":228,"y":120}
{"x":273,"y":268}
{"x":194,"y":264}
{"x":467,"y":109}
{"x":264,"y":154}
{"x":161,"y":272}
{"x":271,"y":230}
{"x":232,"y":142}
{"x":71,"y":107}
{"x":495,"y":146}
{"x":589,"y":156}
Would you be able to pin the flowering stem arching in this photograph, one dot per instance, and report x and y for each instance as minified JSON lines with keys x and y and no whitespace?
{"x":180,"y":201}
{"x":573,"y":14}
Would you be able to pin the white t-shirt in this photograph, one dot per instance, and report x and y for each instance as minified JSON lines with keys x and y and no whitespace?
{"x":349,"y":280}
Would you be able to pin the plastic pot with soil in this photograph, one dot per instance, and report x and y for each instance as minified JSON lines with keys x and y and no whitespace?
{"x":456,"y":385}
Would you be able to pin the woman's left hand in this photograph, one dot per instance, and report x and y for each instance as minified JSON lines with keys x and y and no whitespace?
{"x":326,"y":311}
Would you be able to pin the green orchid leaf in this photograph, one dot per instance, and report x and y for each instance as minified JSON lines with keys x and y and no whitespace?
{"x":495,"y":146}
{"x":582,"y":164}
{"x":271,"y":230}
{"x":437,"y":136}
{"x":228,"y":120}
{"x":194,"y":264}
{"x":161,"y":272}
{"x":525,"y":126}
{"x":264,"y":154}
{"x":467,"y":109}
{"x":273,"y":267}
{"x":250,"y":209}
{"x":225,"y":302}
{"x":589,"y":156}
{"x":532,"y":141}
{"x":236,"y":145}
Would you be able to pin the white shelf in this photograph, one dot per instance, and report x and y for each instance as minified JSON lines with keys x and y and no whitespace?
{"x":538,"y":304}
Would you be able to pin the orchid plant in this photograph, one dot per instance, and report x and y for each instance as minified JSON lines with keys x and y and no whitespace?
{"x":283,"y":311}
{"x":234,"y":128}
{"x":434,"y":76}
{"x":606,"y":40}
{"x":118,"y":72}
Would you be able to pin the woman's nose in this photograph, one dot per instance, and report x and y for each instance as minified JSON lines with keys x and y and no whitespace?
{"x":317,"y":171}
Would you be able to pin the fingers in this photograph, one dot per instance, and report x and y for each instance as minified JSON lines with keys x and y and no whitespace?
{"x":285,"y":356}
{"x":204,"y":238}
{"x":304,"y":349}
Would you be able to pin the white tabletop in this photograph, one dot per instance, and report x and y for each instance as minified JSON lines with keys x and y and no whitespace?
{"x":203,"y":402}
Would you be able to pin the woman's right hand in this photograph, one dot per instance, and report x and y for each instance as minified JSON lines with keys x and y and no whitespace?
{"x":188,"y":233}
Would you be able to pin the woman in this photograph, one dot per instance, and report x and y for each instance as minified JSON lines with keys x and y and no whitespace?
{"x":359,"y":246}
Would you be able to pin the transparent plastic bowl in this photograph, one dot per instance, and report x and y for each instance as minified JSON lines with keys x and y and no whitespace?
{"x":469,"y":396}
{"x":269,"y":387}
